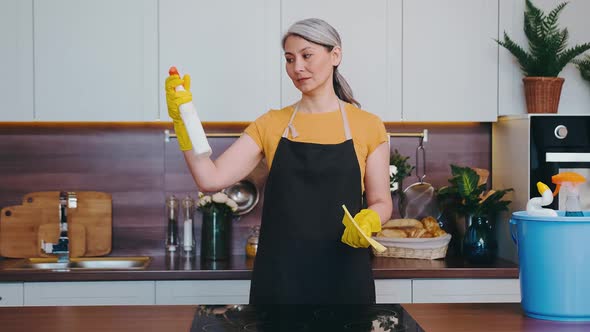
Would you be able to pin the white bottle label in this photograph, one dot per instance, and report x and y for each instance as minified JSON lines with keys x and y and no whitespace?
{"x":194,"y":128}
{"x":188,"y":235}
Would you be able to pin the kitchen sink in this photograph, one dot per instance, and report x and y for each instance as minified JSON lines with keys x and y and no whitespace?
{"x":82,"y":263}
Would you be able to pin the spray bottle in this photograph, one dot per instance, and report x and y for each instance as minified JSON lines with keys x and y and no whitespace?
{"x":569,"y":182}
{"x":534,"y":205}
{"x":192,"y":123}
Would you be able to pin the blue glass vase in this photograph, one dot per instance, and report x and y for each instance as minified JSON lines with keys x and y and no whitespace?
{"x":480,"y":245}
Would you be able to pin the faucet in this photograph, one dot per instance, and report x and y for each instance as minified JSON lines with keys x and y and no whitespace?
{"x":62,"y":247}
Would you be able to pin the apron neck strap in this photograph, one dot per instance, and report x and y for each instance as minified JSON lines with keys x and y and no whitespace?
{"x":294,"y":134}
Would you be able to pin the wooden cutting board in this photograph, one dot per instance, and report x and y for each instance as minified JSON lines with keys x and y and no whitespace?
{"x":89,"y":225}
{"x":18,"y":230}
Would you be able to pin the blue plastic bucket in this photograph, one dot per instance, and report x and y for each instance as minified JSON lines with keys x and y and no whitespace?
{"x":554,"y":256}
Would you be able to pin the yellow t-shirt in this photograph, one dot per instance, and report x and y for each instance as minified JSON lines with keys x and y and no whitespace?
{"x":367,"y":130}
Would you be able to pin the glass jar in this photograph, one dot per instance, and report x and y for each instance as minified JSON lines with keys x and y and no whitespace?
{"x":172,"y":225}
{"x":188,"y":234}
{"x":252,"y":241}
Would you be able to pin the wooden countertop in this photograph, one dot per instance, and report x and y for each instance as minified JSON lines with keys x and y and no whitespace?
{"x":487,"y":317}
{"x":88,"y":319}
{"x":240,"y":268}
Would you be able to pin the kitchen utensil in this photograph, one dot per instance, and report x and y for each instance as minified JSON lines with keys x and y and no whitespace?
{"x":418,"y":199}
{"x":245,"y":194}
{"x":378,"y":246}
{"x":22,"y":227}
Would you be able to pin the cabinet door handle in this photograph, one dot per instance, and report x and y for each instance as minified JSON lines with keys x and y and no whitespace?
{"x":0,"y":298}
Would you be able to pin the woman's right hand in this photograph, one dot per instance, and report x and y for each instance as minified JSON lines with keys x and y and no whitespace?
{"x":176,"y":98}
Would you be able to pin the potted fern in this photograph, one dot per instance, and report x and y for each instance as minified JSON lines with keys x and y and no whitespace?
{"x":547,"y":57}
{"x":584,"y":67}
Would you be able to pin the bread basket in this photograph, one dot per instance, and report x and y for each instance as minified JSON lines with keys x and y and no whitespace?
{"x":419,"y":248}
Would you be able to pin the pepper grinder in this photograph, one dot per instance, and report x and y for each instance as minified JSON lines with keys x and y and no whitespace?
{"x":188,"y":235}
{"x":172,"y":230}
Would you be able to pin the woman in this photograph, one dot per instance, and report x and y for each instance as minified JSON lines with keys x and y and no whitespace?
{"x":322,"y":152}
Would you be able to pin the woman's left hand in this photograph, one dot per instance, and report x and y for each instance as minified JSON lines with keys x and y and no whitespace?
{"x":368,"y":220}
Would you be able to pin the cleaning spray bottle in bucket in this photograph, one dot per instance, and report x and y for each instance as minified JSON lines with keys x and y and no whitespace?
{"x":534,"y":207}
{"x":567,"y":184}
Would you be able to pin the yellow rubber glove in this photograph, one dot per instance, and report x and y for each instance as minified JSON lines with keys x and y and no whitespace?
{"x":174,"y":99}
{"x":368,"y":220}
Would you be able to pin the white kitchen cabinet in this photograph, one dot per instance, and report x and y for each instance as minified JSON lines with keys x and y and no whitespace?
{"x":203,"y":292}
{"x":89,"y":293}
{"x":218,"y":292}
{"x":11,"y":294}
{"x":96,"y":60}
{"x":450,"y":60}
{"x":16,"y":60}
{"x":231,"y":49}
{"x":371,"y":48}
{"x":575,"y":94}
{"x":393,"y":290}
{"x":465,"y":290}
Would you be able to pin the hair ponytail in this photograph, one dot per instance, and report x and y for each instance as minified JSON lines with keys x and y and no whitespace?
{"x":343,"y":90}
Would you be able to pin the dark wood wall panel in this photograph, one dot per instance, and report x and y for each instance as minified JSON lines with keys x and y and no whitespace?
{"x":133,"y":162}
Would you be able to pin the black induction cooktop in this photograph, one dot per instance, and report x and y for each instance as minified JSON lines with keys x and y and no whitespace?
{"x":291,"y":318}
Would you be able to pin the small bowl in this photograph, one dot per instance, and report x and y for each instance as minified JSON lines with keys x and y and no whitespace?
{"x":245,"y":194}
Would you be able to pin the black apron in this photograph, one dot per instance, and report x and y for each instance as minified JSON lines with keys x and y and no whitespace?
{"x":300,"y":258}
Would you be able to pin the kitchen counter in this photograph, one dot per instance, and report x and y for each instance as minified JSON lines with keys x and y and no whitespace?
{"x":488,"y":317}
{"x":240,"y":268}
{"x":497,"y":317}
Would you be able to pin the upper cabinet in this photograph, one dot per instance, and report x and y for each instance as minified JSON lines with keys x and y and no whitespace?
{"x":450,"y":60}
{"x":96,"y":60}
{"x":16,"y":60}
{"x":230,"y":48}
{"x":405,"y":60}
{"x":371,"y":49}
{"x":575,"y":93}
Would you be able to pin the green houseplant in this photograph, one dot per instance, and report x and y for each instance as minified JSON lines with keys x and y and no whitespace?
{"x":469,"y":197}
{"x":547,"y":57}
{"x":584,"y":67}
{"x":399,"y":169}
{"x":468,"y":193}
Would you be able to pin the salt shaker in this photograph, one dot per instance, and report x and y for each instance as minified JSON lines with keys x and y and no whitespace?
{"x":172,"y":229}
{"x":188,"y":234}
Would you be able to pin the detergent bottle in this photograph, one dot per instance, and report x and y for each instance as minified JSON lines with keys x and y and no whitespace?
{"x":567,"y":184}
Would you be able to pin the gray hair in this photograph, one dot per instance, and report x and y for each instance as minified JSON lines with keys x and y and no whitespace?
{"x":319,"y":32}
